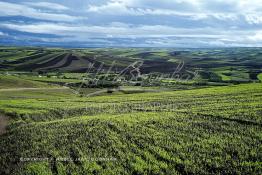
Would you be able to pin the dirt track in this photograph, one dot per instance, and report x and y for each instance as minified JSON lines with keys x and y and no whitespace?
{"x":22,"y":89}
{"x":3,"y":124}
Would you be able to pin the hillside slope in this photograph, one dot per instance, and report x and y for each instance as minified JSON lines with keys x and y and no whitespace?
{"x":223,"y":65}
{"x":205,"y":131}
{"x":8,"y":81}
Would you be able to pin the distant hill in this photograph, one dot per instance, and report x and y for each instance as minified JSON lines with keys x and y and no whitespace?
{"x":234,"y":64}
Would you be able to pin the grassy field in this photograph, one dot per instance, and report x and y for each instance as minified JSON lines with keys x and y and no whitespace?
{"x":203,"y":131}
{"x":260,"y":76}
{"x":9,"y":81}
{"x":56,"y":121}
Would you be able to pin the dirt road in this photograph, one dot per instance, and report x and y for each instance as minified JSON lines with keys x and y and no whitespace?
{"x":3,"y":124}
{"x":22,"y":89}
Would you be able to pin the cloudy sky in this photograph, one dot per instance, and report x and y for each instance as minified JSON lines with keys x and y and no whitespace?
{"x":132,"y":23}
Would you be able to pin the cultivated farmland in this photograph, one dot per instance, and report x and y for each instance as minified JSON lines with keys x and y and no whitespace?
{"x":207,"y":123}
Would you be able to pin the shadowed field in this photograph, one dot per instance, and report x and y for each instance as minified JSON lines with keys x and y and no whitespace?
{"x":3,"y":124}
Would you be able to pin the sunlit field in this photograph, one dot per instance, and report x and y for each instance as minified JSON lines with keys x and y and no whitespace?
{"x":56,"y":120}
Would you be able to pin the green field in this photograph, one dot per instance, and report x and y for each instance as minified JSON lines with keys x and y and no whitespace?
{"x":236,"y":65}
{"x":208,"y":124}
{"x":189,"y":133}
{"x":260,"y":76}
{"x":9,"y":81}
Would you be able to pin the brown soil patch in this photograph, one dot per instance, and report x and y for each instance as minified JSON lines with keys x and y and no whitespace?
{"x":3,"y":124}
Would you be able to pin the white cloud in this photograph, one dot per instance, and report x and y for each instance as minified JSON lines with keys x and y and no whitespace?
{"x":122,"y":9}
{"x":257,"y":37}
{"x":249,"y":6}
{"x":11,"y":9}
{"x":133,"y":7}
{"x":193,"y":9}
{"x":160,"y":35}
{"x":125,"y":7}
{"x":253,"y":18}
{"x":47,"y":5}
{"x":110,"y":8}
{"x":123,"y":30}
{"x":115,"y":29}
{"x":223,"y":22}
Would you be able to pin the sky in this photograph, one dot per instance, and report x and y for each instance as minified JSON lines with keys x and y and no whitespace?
{"x":132,"y":23}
